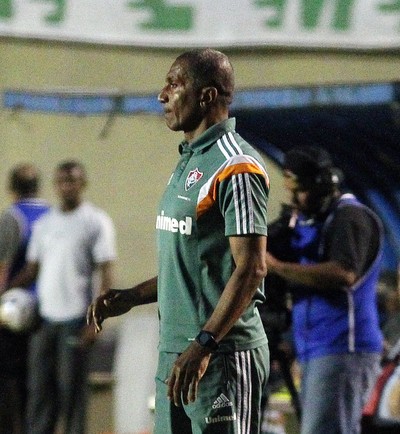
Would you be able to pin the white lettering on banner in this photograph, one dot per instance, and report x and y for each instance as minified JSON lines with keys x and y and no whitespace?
{"x":171,"y":224}
{"x":176,"y":23}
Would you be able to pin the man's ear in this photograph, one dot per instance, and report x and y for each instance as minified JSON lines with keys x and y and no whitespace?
{"x":208,"y":95}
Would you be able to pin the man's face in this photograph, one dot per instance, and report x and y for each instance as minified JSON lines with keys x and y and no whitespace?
{"x":182,"y":111}
{"x":305,"y":200}
{"x":69,"y":185}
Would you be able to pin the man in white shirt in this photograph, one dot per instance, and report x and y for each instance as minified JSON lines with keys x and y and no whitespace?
{"x":67,"y":246}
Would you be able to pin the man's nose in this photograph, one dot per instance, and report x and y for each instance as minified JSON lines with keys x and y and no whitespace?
{"x":162,"y":96}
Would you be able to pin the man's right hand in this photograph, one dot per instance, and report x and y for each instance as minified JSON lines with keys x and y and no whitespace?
{"x":115,"y":302}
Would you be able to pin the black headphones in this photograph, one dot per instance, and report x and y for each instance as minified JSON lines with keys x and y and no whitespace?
{"x":329,"y":176}
{"x":313,"y":169}
{"x":326,"y":181}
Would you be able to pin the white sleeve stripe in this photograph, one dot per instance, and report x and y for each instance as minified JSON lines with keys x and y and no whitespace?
{"x":236,"y":202}
{"x":249,"y":201}
{"x":242,"y":203}
{"x":244,"y":210}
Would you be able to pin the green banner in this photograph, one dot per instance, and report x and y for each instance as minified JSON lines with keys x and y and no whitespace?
{"x":363,"y":24}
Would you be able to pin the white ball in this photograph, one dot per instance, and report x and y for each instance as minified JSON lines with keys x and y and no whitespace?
{"x":18,"y":309}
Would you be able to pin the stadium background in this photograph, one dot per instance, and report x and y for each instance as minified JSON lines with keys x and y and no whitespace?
{"x":130,"y":164}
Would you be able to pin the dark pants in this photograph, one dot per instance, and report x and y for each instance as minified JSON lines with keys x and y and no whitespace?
{"x":13,"y":355}
{"x":57,"y":379}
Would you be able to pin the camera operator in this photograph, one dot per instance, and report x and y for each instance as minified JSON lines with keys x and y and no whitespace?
{"x":331,"y":264}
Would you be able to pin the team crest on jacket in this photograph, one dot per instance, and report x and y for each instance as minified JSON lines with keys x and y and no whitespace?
{"x":193,"y":177}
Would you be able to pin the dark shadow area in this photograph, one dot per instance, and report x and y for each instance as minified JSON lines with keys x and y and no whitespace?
{"x":358,"y":124}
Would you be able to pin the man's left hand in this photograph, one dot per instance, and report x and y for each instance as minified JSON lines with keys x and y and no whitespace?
{"x":186,"y":373}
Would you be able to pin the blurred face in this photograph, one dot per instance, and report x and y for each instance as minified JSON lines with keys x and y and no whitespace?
{"x":305,"y":200}
{"x":182,"y":111}
{"x":69,"y":186}
{"x":298,"y":196}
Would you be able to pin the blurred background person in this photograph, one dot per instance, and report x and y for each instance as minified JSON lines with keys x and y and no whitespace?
{"x":15,"y":231}
{"x":334,"y":245}
{"x":390,"y":306}
{"x":67,"y":246}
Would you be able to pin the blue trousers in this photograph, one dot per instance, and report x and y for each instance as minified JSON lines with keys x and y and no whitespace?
{"x":57,"y":373}
{"x":334,"y":390}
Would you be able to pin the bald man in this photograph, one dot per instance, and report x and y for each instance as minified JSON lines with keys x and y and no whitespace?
{"x":212,"y":239}
{"x":15,"y":230}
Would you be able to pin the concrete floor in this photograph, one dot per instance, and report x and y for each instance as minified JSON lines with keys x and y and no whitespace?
{"x":100,"y":411}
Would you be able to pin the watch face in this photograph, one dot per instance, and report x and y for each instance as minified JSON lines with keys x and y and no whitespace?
{"x":206,"y":339}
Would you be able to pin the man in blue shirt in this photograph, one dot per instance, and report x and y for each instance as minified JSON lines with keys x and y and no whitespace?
{"x":331,"y":264}
{"x":15,"y":231}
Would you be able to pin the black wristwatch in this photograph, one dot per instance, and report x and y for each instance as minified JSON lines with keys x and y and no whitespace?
{"x":207,"y":340}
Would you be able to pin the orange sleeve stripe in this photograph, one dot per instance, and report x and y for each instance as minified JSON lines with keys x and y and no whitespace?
{"x":208,"y":201}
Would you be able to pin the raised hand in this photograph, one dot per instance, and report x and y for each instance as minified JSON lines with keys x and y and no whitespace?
{"x":115,"y":302}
